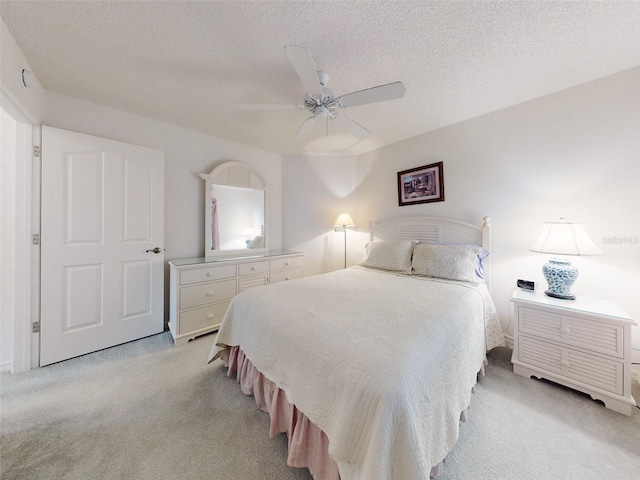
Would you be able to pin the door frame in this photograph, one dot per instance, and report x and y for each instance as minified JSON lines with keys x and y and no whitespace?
{"x":26,"y":273}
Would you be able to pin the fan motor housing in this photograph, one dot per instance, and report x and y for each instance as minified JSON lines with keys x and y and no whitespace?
{"x":327,"y":102}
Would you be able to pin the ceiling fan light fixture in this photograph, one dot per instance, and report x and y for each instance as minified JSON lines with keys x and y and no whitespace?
{"x":321,"y":101}
{"x":322,"y":111}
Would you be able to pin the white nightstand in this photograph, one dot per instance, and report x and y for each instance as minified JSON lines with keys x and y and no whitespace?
{"x":584,"y":344}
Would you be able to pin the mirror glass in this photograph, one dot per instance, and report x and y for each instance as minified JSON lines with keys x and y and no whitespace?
{"x":235,"y":215}
{"x":237,"y":220}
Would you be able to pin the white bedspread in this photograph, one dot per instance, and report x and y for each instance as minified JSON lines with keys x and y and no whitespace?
{"x":382,"y":363}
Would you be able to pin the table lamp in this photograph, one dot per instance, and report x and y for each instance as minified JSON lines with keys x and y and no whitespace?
{"x":563,"y":238}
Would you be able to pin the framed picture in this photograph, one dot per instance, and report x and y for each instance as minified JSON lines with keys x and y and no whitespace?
{"x":421,"y":185}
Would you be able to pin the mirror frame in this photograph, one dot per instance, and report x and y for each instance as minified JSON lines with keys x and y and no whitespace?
{"x":234,"y":174}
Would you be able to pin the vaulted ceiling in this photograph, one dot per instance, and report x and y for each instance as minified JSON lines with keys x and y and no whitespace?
{"x":190,"y":63}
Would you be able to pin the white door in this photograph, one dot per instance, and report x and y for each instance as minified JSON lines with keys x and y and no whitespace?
{"x":102,"y":217}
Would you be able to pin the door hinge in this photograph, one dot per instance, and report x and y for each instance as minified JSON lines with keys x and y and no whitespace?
{"x":36,"y":327}
{"x":36,"y":239}
{"x":37,"y":150}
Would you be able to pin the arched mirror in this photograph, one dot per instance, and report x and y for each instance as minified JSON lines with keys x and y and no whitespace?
{"x":235,"y":211}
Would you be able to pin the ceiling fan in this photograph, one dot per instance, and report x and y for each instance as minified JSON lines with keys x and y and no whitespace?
{"x":321,"y":101}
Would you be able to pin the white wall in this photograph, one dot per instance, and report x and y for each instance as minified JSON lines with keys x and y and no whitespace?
{"x":575,"y":154}
{"x":316,"y":189}
{"x":7,"y":239}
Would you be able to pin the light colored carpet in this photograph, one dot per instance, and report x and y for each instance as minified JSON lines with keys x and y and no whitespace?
{"x":149,"y":410}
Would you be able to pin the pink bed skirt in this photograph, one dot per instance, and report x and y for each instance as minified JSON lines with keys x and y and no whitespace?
{"x":308,"y":445}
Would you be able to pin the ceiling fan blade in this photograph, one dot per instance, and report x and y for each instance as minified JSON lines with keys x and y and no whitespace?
{"x":269,"y":106}
{"x":351,"y":126}
{"x":305,"y":129}
{"x":302,"y":61}
{"x":390,"y":91}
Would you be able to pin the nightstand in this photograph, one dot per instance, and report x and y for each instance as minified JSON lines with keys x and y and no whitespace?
{"x":584,"y":344}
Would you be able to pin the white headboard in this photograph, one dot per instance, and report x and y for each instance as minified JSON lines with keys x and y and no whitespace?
{"x":436,"y":230}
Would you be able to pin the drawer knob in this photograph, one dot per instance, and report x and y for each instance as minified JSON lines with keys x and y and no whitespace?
{"x":253,"y":268}
{"x":286,"y":278}
{"x":209,"y":274}
{"x":210,"y":315}
{"x":286,"y":264}
{"x":209,"y":294}
{"x":565,"y":330}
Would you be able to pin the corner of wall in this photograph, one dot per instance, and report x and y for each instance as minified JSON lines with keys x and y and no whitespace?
{"x":29,"y":100}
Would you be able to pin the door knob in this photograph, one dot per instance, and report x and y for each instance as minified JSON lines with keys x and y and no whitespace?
{"x":155,"y":250}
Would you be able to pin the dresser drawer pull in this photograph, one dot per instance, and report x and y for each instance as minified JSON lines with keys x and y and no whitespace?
{"x":209,"y":274}
{"x":253,"y":268}
{"x":286,"y":264}
{"x":210,"y":315}
{"x":210,"y":294}
{"x":565,"y":330}
{"x":287,"y":278}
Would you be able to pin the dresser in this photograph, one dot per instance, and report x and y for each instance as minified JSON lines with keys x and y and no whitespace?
{"x":201,"y":288}
{"x":584,"y":344}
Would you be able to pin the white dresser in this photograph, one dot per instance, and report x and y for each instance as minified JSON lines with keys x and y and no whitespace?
{"x":201,"y":288}
{"x":584,"y":344}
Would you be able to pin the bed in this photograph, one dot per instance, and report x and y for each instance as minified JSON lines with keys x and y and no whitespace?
{"x":369,"y":370}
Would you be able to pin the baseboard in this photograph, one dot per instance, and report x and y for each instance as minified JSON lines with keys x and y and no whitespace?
{"x":5,"y":366}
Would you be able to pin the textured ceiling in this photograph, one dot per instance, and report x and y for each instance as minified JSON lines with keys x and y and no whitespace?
{"x":191,"y":63}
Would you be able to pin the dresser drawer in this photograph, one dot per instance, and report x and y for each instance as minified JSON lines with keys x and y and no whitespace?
{"x":253,"y":268}
{"x":245,"y":283}
{"x":285,"y":263}
{"x":596,"y":336}
{"x":595,"y":371}
{"x":204,"y":317}
{"x":207,"y":274}
{"x":206,"y":293}
{"x":286,"y":275}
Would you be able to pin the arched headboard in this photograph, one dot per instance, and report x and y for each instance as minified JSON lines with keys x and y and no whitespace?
{"x":436,"y":230}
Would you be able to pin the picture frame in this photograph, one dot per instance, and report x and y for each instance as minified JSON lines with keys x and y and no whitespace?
{"x":423,"y":184}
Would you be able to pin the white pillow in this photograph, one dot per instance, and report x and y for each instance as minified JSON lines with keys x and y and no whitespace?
{"x":454,"y":262}
{"x":394,"y":255}
{"x":256,"y":242}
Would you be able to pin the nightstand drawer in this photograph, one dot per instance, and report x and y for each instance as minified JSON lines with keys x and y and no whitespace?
{"x":202,"y":317}
{"x":197,"y":275}
{"x":596,"y":336}
{"x":207,"y":293}
{"x":253,"y":268}
{"x":589,"y":369}
{"x":285,"y":275}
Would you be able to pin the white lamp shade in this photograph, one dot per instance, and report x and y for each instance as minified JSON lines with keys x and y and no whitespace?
{"x":564,"y":238}
{"x":344,"y":220}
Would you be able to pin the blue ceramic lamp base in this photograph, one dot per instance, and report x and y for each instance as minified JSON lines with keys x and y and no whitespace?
{"x":560,"y":274}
